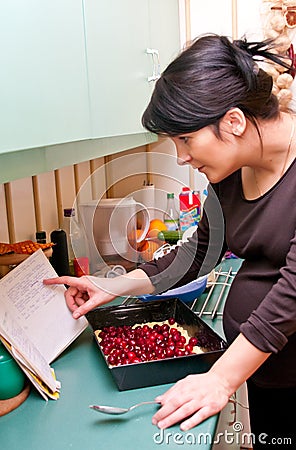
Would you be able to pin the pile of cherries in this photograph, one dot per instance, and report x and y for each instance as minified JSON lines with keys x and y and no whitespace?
{"x":127,"y":345}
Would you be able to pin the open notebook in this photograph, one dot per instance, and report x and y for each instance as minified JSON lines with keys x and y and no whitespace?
{"x":35,"y":323}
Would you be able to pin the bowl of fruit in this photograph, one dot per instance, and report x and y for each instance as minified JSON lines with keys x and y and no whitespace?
{"x":159,"y":342}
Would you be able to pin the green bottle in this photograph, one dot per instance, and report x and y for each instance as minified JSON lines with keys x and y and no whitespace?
{"x":171,"y":215}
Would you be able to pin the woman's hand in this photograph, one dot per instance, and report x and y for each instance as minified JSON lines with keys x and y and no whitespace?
{"x":88,"y":292}
{"x":82,"y":295}
{"x":194,"y":398}
{"x":197,"y":397}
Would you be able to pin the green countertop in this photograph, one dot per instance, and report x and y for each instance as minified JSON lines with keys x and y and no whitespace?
{"x":68,"y":423}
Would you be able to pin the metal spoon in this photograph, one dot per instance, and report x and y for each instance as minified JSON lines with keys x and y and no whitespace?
{"x":115,"y":410}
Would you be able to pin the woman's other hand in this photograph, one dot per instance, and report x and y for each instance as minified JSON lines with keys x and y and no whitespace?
{"x":194,"y":398}
{"x":197,"y":397}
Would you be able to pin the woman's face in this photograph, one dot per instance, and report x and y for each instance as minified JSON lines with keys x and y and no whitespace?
{"x":203,"y":150}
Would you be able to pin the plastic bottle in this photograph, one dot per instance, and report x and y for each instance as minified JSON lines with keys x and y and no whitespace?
{"x":76,"y":242}
{"x":68,"y":212}
{"x":189,"y":208}
{"x":41,"y":237}
{"x":203,"y":199}
{"x":59,"y":259}
{"x":171,"y":215}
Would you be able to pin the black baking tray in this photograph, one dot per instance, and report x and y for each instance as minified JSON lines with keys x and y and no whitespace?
{"x":170,"y":370}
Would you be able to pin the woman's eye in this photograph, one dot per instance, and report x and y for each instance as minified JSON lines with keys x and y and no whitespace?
{"x":184,"y":139}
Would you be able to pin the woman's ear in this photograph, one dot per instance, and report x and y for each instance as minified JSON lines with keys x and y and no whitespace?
{"x":234,"y":121}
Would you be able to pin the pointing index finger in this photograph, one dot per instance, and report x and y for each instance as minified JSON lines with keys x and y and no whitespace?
{"x":59,"y":280}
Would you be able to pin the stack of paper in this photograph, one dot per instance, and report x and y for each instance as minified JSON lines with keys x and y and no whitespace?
{"x":35,"y":322}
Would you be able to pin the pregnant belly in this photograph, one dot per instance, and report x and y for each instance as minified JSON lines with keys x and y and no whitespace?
{"x":247,"y":291}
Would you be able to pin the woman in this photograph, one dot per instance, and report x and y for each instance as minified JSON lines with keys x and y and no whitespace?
{"x":217,"y":106}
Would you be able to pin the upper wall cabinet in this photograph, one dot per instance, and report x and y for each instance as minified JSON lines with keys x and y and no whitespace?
{"x":117,"y":37}
{"x":75,"y":78}
{"x":43,"y":77}
{"x":126,"y":41}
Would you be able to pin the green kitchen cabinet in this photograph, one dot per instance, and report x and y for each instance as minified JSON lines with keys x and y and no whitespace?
{"x":123,"y":41}
{"x":43,"y":77}
{"x":118,"y":67}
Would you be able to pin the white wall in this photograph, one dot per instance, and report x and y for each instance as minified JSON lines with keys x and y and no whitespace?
{"x":210,"y":17}
{"x":249,"y":19}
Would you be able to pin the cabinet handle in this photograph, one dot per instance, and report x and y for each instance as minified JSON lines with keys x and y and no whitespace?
{"x":156,"y":64}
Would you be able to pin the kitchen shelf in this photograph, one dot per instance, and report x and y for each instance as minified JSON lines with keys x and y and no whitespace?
{"x":27,"y":162}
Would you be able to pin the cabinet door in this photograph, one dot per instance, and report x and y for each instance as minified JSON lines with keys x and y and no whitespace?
{"x":164,"y":28}
{"x":43,"y":80}
{"x":117,"y":36}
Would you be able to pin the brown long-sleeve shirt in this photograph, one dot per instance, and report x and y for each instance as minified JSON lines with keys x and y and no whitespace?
{"x":261,"y":302}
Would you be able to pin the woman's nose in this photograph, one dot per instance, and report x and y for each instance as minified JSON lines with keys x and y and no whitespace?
{"x":183,"y":160}
{"x":183,"y":157}
{"x":180,"y":161}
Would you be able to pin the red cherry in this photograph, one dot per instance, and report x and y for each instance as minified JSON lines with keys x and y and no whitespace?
{"x":150,"y":356}
{"x":131,"y":356}
{"x":193,"y":341}
{"x":111,"y":360}
{"x":188,"y":348}
{"x":140,"y":342}
{"x":179,"y":352}
{"x":170,"y":352}
{"x":173,"y":330}
{"x":136,"y":360}
{"x":176,"y":336}
{"x":107,"y":349}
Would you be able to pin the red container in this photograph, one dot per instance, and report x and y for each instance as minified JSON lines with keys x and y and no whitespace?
{"x":189,"y":208}
{"x":81,"y":266}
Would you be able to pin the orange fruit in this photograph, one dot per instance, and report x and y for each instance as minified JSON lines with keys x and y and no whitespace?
{"x":138,"y":236}
{"x":134,"y":241}
{"x":155,"y":226}
{"x":147,"y":250}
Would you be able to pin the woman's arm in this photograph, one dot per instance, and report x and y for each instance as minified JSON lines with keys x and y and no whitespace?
{"x":197,"y":397}
{"x":198,"y":256}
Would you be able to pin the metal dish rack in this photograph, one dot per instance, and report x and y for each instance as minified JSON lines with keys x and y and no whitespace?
{"x":211,"y":304}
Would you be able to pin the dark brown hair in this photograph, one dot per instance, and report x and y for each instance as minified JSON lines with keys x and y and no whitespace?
{"x":207,"y":79}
